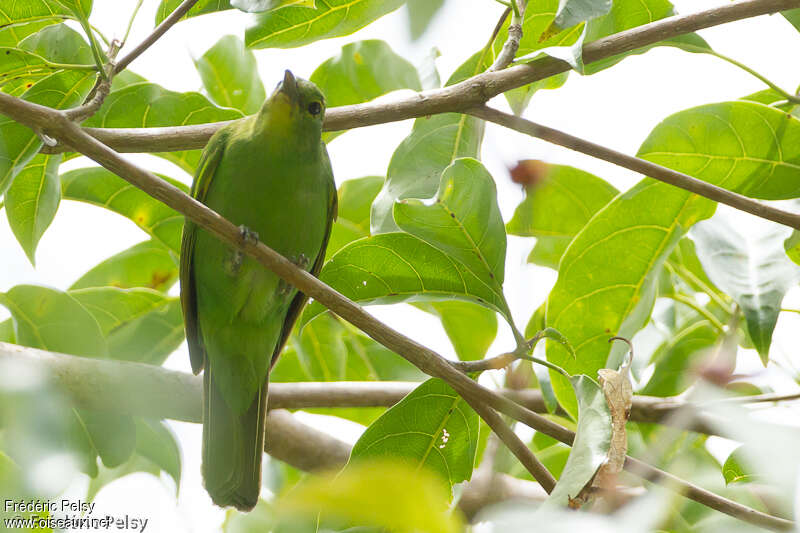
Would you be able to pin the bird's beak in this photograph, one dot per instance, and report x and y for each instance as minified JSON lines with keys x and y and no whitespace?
{"x":289,"y":86}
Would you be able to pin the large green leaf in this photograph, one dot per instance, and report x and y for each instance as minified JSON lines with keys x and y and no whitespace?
{"x":591,"y":445}
{"x":230,"y":75}
{"x":59,"y":43}
{"x":572,"y":12}
{"x":147,"y":105}
{"x":627,"y":14}
{"x":471,"y":328}
{"x":147,"y":264}
{"x":294,"y":26}
{"x":355,"y":199}
{"x":556,"y":207}
{"x":736,"y":468}
{"x":793,"y":16}
{"x":140,"y":325}
{"x":53,"y":320}
{"x":32,"y":201}
{"x":432,"y":427}
{"x":18,"y":144}
{"x":98,"y":186}
{"x":673,"y":358}
{"x":200,"y":8}
{"x":752,"y":268}
{"x":33,"y":11}
{"x":20,"y":69}
{"x":398,"y":267}
{"x":463,"y":220}
{"x":156,"y":442}
{"x":420,"y":15}
{"x":433,"y":144}
{"x":362,"y":71}
{"x":12,"y":35}
{"x":747,"y":147}
{"x":383,"y":494}
{"x":329,"y":350}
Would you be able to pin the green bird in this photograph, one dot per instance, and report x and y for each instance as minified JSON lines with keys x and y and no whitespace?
{"x":271,"y":174}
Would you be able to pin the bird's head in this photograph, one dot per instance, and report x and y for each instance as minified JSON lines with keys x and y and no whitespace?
{"x":296,"y":105}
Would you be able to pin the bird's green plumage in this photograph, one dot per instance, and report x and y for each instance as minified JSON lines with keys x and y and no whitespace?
{"x":271,"y":174}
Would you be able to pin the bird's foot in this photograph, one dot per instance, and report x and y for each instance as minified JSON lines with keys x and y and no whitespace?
{"x":234,"y":262}
{"x":302,"y":261}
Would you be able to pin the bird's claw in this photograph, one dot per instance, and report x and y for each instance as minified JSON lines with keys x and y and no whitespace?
{"x":247,"y":235}
{"x":301,"y":261}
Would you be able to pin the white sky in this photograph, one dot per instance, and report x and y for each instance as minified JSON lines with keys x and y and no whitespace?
{"x":617,"y":108}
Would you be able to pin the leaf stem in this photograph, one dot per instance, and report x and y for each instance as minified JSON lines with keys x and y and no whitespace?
{"x":691,"y":302}
{"x":698,"y":49}
{"x":130,"y":22}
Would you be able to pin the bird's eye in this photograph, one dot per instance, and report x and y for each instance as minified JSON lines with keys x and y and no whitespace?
{"x":314,"y":108}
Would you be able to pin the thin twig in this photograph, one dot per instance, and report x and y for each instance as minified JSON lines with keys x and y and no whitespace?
{"x":672,"y":177}
{"x":130,"y":22}
{"x":470,"y":93}
{"x":160,"y":30}
{"x":510,"y":47}
{"x":100,"y":91}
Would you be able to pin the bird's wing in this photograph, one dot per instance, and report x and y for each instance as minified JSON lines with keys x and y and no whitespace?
{"x":300,"y":298}
{"x":206,"y":169}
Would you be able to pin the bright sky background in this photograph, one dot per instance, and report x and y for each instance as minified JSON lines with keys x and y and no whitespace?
{"x":617,"y":108}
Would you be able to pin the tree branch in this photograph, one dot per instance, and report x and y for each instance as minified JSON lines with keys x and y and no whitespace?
{"x":55,"y":124}
{"x":672,"y":177}
{"x":160,"y":30}
{"x":470,"y":93}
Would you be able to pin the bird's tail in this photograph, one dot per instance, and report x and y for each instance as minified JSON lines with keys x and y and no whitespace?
{"x":233,"y":445}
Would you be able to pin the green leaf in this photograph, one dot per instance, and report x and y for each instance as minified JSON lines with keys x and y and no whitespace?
{"x":471,"y":328}
{"x":734,"y":470}
{"x":355,"y":199}
{"x":792,"y":246}
{"x":294,"y":26}
{"x":258,"y":6}
{"x":33,"y":11}
{"x":98,"y":186}
{"x":572,"y":12}
{"x":140,"y":325}
{"x":125,"y":78}
{"x":7,"y":331}
{"x":12,"y":35}
{"x":378,"y":493}
{"x":628,"y":14}
{"x":398,"y":267}
{"x":80,"y":8}
{"x":463,"y":220}
{"x":230,"y":75}
{"x":53,"y":320}
{"x":420,"y":15}
{"x":793,"y":16}
{"x":261,"y":518}
{"x":148,"y":105}
{"x":675,"y":356}
{"x":591,"y":445}
{"x":156,"y":442}
{"x":148,"y":264}
{"x":112,"y":436}
{"x":20,"y":69}
{"x":200,"y":8}
{"x":743,"y":146}
{"x":752,"y":268}
{"x":60,"y":44}
{"x":433,"y":144}
{"x":556,"y":207}
{"x":361,"y":72}
{"x":32,"y":201}
{"x":329,"y":350}
{"x":19,"y":144}
{"x":432,"y":427}
{"x":113,"y":308}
